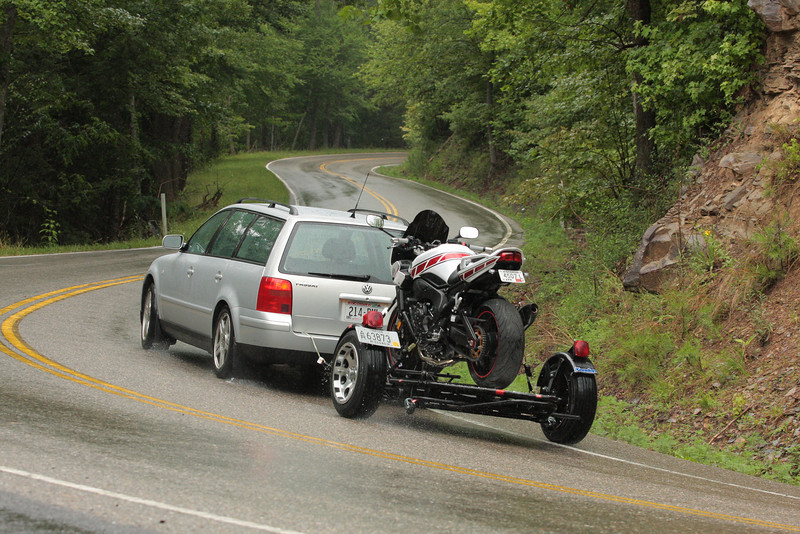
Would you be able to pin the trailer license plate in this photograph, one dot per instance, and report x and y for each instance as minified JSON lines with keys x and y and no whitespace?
{"x":382,"y":338}
{"x":354,"y":310}
{"x":514,"y":277}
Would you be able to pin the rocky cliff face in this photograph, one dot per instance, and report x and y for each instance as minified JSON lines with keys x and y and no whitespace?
{"x":731,"y":193}
{"x":746,"y":182}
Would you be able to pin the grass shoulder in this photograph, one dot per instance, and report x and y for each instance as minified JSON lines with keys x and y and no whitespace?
{"x":217,"y":184}
{"x":673,"y":377}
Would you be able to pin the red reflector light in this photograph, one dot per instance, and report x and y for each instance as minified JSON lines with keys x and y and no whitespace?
{"x":274,"y":296}
{"x":581,"y":349}
{"x":512,"y":256}
{"x":373,"y":319}
{"x":510,"y":259}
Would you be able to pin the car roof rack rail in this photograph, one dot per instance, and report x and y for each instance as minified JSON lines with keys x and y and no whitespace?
{"x":383,"y":215}
{"x":272,"y":203}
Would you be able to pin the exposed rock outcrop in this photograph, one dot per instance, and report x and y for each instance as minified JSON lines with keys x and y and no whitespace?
{"x":728,"y":197}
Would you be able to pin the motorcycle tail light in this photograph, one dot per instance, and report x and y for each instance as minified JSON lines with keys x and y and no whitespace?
{"x":511,"y":260}
{"x":373,"y":319}
{"x":274,"y":296}
{"x":580,"y":349}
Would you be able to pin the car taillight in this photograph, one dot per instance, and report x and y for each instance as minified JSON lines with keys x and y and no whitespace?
{"x":274,"y":295}
{"x":580,"y":349}
{"x":511,"y":260}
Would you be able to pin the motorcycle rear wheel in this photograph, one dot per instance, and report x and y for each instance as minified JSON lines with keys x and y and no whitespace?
{"x":577,"y":395}
{"x":502,"y":339}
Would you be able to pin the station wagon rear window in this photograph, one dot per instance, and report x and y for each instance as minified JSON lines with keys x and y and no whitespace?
{"x":342,"y":252}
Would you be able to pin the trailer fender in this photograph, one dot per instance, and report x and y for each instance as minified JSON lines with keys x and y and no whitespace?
{"x":578,"y":365}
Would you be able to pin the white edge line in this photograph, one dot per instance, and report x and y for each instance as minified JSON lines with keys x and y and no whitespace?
{"x":629,"y":462}
{"x":292,"y":194}
{"x":145,"y":502}
{"x":106,"y":251}
{"x":499,"y":217}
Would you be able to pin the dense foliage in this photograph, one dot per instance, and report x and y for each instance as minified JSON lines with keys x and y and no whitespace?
{"x":104,"y":104}
{"x":584,"y":106}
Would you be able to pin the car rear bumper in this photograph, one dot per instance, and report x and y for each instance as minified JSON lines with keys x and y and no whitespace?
{"x":274,"y":331}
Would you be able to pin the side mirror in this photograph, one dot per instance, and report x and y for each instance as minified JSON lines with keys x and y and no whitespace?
{"x":172,"y":242}
{"x":468,"y":232}
{"x":376,"y":221}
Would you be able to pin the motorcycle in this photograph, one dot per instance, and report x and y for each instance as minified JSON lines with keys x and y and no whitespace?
{"x":447,"y":310}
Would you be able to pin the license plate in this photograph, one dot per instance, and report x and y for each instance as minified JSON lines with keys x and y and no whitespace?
{"x":514,"y":277}
{"x":354,"y":310}
{"x":382,"y":338}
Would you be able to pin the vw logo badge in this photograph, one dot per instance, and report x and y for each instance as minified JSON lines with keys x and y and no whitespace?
{"x":367,"y":289}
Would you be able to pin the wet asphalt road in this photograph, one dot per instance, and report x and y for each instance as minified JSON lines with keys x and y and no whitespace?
{"x":98,"y":435}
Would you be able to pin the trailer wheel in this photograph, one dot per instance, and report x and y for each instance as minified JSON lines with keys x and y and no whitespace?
{"x":358,"y":376}
{"x":501,"y":344}
{"x":577,"y":394}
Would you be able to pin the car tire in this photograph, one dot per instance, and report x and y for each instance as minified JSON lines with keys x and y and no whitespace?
{"x":225,"y":351}
{"x":358,"y":376}
{"x":151,"y":334}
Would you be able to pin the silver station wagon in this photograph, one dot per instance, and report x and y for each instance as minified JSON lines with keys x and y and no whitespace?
{"x":268,"y":281}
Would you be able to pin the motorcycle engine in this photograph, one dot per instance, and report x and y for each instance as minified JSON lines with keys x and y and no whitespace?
{"x":431,"y":340}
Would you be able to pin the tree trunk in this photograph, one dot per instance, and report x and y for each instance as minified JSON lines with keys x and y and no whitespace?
{"x":133,"y":130}
{"x":312,"y":133}
{"x":490,"y":133}
{"x":337,"y":134}
{"x":639,"y":11}
{"x":297,"y":131}
{"x":6,"y":53}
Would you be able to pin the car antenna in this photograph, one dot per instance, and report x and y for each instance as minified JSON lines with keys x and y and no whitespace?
{"x":363,"y":186}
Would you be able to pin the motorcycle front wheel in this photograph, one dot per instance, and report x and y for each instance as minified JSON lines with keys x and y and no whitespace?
{"x":358,"y":376}
{"x":577,"y":394}
{"x":501,"y":344}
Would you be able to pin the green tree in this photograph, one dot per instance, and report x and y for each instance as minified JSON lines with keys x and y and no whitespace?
{"x":111,"y":102}
{"x":424,"y":59}
{"x":331,"y":106}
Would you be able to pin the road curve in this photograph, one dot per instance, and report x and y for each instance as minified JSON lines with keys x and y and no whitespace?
{"x":98,"y":435}
{"x":346,"y":180}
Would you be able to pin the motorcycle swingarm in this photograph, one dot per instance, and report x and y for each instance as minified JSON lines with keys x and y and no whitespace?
{"x":466,"y":398}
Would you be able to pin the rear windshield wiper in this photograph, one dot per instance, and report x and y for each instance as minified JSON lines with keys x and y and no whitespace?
{"x":355,"y":277}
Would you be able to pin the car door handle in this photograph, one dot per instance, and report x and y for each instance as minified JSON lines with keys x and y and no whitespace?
{"x":190,"y":272}
{"x":218,"y":277}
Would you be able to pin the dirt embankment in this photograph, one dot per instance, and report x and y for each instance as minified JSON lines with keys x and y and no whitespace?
{"x":739,"y":199}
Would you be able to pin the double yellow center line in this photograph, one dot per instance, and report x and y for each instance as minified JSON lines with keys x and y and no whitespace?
{"x":388,"y":207}
{"x":18,"y":349}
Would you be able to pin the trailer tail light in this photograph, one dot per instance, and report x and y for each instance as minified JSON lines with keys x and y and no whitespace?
{"x":580,"y":349}
{"x":373,"y":319}
{"x":274,"y":296}
{"x":510,"y":259}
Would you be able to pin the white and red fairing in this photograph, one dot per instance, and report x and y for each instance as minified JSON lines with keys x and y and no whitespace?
{"x":440,"y":263}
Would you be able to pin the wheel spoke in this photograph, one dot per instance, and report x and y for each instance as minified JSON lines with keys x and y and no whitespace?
{"x":222,"y":341}
{"x":146,"y":311}
{"x":345,"y":373}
